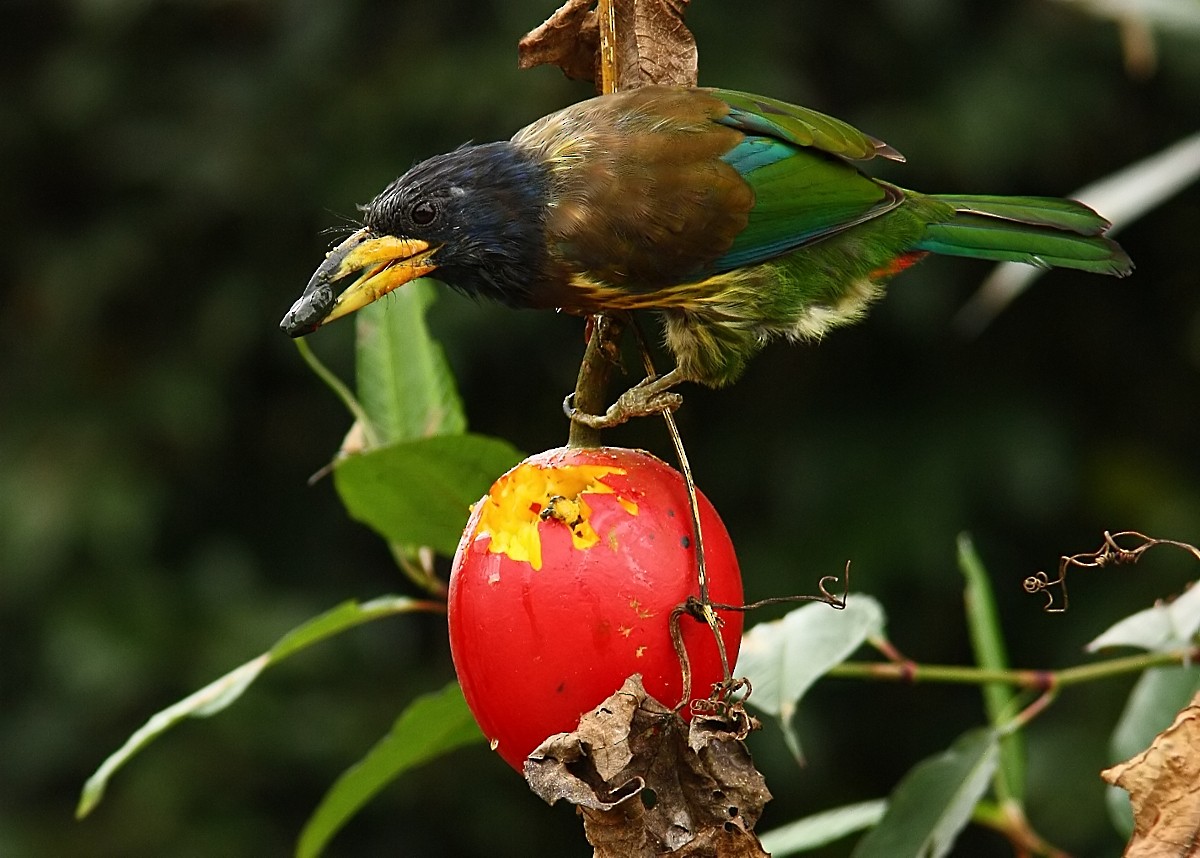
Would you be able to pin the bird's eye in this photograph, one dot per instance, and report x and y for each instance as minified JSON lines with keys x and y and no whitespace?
{"x":423,"y":213}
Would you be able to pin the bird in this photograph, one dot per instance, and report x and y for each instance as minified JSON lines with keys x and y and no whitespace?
{"x":738,"y":218}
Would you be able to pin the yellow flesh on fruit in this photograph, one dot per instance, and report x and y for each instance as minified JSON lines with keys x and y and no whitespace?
{"x":529,"y":494}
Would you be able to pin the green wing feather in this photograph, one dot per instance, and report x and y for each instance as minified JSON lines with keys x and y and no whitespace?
{"x":769,"y":117}
{"x":797,"y":162}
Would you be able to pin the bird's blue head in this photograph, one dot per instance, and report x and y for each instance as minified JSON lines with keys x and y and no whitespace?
{"x":483,"y":207}
{"x":473,"y":218}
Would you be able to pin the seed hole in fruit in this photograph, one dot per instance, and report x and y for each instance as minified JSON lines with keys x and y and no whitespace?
{"x":530,"y":494}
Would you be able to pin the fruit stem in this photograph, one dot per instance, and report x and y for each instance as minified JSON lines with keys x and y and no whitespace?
{"x":591,"y":387}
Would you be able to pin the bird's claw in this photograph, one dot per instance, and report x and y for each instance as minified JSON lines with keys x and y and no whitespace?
{"x":641,"y":400}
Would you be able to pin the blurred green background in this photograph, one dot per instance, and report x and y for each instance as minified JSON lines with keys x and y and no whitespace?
{"x":170,"y":171}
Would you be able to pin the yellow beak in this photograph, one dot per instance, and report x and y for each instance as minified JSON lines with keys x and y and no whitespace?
{"x":382,"y":262}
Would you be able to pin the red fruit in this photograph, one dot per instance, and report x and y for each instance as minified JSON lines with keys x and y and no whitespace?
{"x":563,"y":586}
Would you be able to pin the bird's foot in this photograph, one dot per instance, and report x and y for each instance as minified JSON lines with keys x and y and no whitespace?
{"x":650,"y":396}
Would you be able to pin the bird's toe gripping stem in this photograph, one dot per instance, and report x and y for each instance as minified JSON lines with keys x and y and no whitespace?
{"x":650,"y":396}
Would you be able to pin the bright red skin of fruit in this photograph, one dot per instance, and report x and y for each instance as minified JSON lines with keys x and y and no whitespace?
{"x":536,"y":648}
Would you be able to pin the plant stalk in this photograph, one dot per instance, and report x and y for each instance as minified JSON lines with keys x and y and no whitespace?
{"x":1037,"y":680}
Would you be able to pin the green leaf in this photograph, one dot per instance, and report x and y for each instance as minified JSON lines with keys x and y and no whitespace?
{"x":933,"y":802}
{"x":219,"y":694}
{"x":815,"y":831}
{"x":432,"y":725}
{"x":783,"y":658}
{"x":419,"y":492}
{"x":987,"y":640}
{"x":1151,"y":707}
{"x":404,"y":384}
{"x":1155,"y":700}
{"x":1162,"y":628}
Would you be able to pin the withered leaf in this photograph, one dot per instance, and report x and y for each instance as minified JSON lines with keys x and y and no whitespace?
{"x":648,"y":784}
{"x":652,"y":45}
{"x":1163,"y":783}
{"x":569,"y":39}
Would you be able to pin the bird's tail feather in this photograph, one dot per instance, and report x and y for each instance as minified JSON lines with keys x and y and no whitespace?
{"x":1043,"y":231}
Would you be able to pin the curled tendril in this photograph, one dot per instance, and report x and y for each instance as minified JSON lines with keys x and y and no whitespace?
{"x":727,"y":703}
{"x":1110,"y":553}
{"x":1040,"y":583}
{"x":705,"y":612}
{"x":838,"y":603}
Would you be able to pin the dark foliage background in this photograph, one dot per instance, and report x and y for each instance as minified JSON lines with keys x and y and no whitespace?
{"x":170,"y":171}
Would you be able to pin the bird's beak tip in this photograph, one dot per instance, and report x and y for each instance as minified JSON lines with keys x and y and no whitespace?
{"x":382,"y":263}
{"x":310,"y":310}
{"x":295,"y":329}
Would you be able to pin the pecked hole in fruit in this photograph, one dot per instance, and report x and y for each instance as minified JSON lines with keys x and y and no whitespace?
{"x":532,"y":493}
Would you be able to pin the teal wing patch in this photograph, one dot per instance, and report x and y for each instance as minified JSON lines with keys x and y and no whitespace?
{"x":800,"y":196}
{"x":798,"y":163}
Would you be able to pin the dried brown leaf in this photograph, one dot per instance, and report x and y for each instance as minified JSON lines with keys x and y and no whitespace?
{"x":648,"y":784}
{"x":1163,"y":783}
{"x":652,"y":45}
{"x":569,"y":39}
